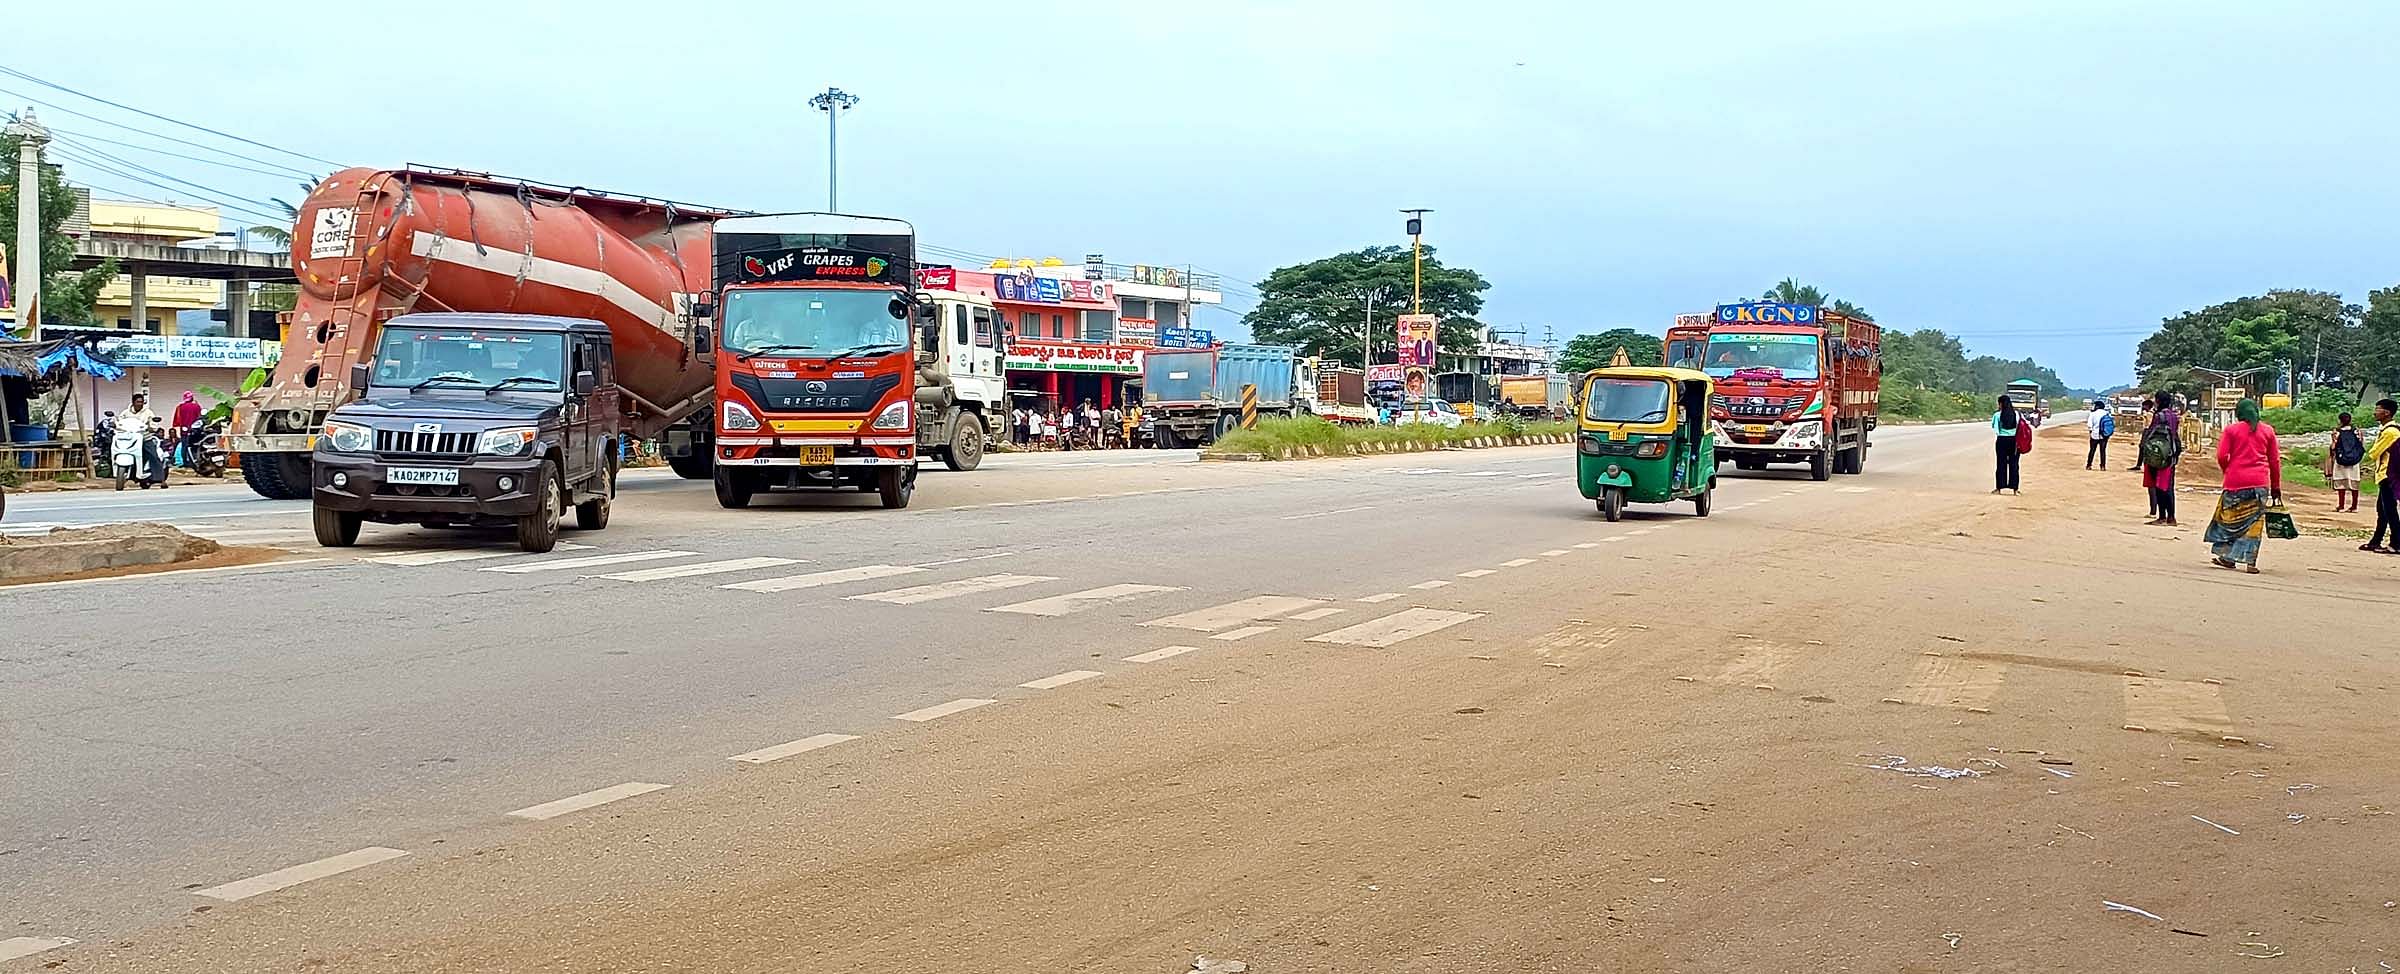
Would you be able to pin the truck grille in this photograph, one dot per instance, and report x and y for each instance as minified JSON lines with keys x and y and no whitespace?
{"x":1758,"y":405}
{"x":401,"y":441}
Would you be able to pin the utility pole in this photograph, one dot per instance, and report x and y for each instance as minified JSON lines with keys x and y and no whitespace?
{"x":832,"y":101}
{"x":1366,"y":334}
{"x":31,"y":136}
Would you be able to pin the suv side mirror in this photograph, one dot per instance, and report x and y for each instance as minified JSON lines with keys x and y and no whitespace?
{"x":700,"y":341}
{"x":358,"y":377}
{"x":586,"y":383}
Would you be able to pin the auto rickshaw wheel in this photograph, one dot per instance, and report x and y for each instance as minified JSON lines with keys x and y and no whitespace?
{"x":1612,"y":503}
{"x":1701,"y":504}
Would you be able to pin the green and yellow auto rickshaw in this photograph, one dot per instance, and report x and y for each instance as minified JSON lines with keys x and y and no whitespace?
{"x":1642,"y":434}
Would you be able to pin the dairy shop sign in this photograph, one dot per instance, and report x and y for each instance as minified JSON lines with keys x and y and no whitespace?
{"x":1074,"y":357}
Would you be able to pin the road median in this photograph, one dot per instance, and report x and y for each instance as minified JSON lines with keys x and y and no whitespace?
{"x":1308,"y":439}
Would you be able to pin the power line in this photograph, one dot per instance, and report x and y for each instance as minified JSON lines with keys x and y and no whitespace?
{"x":72,"y":154}
{"x":53,"y":106}
{"x":280,"y":173}
{"x":128,"y":163}
{"x":203,"y":128}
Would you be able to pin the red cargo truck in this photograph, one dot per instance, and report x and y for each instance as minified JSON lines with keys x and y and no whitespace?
{"x":1795,"y":384}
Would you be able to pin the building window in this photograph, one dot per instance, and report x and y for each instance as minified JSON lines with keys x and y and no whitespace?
{"x":1099,"y":326}
{"x":1058,"y":326}
{"x":1136,"y":308}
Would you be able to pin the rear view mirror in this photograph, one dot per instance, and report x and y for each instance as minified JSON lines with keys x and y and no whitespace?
{"x":929,"y":340}
{"x":358,"y":377}
{"x":700,"y":341}
{"x":586,"y":383}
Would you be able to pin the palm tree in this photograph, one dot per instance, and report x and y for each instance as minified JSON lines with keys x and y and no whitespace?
{"x":1852,"y":311}
{"x":1791,"y":291}
{"x":281,"y":236}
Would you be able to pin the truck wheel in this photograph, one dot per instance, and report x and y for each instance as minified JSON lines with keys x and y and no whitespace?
{"x":1820,"y":467}
{"x":1612,"y":503}
{"x":592,"y":515}
{"x":1226,"y":424}
{"x":277,"y":476}
{"x":896,"y":484}
{"x":966,"y":443}
{"x":1858,"y":458}
{"x":1706,"y":500}
{"x":694,"y":466}
{"x":335,"y":529}
{"x":733,"y":488}
{"x":538,"y":532}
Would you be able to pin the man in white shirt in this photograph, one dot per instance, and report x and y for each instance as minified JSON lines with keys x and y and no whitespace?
{"x":139,"y":419}
{"x":2099,"y":424}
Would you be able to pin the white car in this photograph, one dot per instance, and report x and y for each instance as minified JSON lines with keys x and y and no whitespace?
{"x":1432,"y":412}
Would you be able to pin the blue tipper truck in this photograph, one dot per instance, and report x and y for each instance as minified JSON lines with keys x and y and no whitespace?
{"x":1194,"y":395}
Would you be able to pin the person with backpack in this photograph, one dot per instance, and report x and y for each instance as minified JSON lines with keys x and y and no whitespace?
{"x":2101,"y":424}
{"x":2380,"y":458}
{"x":2341,"y":464}
{"x":2162,"y":448}
{"x":2007,"y":428}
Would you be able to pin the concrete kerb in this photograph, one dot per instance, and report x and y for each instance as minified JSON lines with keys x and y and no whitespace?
{"x":1379,"y":447}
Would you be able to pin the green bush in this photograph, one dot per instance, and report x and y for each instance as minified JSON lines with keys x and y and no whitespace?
{"x":1901,"y":404}
{"x":2324,"y":400}
{"x":2292,"y":422}
{"x":2304,"y":465}
{"x":1273,"y":436}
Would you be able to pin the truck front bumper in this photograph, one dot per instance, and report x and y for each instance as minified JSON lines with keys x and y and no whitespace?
{"x":1780,"y":442}
{"x":821,"y":452}
{"x":487,"y":487}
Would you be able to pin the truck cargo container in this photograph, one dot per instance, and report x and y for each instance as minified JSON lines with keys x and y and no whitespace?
{"x":1194,"y":396}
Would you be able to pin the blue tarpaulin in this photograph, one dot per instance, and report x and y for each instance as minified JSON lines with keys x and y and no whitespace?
{"x":85,"y":360}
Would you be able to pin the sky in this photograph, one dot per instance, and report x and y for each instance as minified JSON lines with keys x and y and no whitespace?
{"x":2040,"y":178}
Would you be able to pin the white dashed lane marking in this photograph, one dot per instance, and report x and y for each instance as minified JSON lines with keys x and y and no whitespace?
{"x":15,"y":947}
{"x":1054,"y":682}
{"x":1072,"y":602}
{"x":1396,"y":628}
{"x":1345,"y":510}
{"x":1431,"y":584}
{"x":1477,"y":573}
{"x":1379,"y":597}
{"x":836,"y":576}
{"x":953,"y":588}
{"x":589,"y":799}
{"x":587,"y":561}
{"x":1516,"y":563}
{"x":1592,"y":544}
{"x":698,"y":568}
{"x":1155,"y":655}
{"x":940,"y":710}
{"x":447,"y":555}
{"x":1554,"y":552}
{"x":291,"y":876}
{"x":1251,"y":609}
{"x":789,"y":748}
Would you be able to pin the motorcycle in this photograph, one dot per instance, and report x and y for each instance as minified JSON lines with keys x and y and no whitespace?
{"x":204,"y":450}
{"x":132,"y":455}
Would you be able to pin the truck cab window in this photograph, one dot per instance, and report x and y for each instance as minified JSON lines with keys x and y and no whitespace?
{"x":958,"y":317}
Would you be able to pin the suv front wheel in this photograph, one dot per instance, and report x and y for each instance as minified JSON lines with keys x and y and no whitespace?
{"x":538,"y":532}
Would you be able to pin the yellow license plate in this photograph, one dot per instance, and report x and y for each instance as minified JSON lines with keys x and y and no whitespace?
{"x":1755,"y":428}
{"x":821,"y":456}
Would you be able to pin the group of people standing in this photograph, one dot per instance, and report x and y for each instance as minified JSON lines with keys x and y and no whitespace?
{"x":2250,"y":494}
{"x":1085,"y":427}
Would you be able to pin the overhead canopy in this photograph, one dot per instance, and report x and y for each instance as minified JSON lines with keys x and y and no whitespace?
{"x":35,"y":358}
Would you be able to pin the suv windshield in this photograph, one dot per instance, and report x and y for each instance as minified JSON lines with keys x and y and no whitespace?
{"x":469,"y":359}
{"x":811,"y":323}
{"x":1793,"y":355}
{"x":1627,"y":401}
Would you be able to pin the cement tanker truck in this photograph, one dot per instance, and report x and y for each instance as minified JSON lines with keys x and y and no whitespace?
{"x":370,"y":244}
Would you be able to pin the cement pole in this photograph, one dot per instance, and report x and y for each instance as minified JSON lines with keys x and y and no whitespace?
{"x":28,"y":279}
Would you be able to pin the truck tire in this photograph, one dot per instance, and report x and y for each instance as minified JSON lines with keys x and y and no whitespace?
{"x":592,"y":515}
{"x":895,"y":484}
{"x":733,"y":488}
{"x":1846,"y":462}
{"x":335,"y":529}
{"x":1820,"y":467}
{"x":965,"y":451}
{"x":277,"y":476}
{"x":692,"y":466}
{"x":1226,"y":424}
{"x":538,"y":532}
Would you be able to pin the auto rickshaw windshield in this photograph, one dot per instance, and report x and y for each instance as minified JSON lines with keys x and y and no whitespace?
{"x":1628,"y":401}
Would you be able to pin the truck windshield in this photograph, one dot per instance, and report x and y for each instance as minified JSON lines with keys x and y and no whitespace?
{"x":812,"y":323}
{"x":1793,"y":355}
{"x":1627,"y":401}
{"x":465,"y":358}
{"x":1684,"y":353}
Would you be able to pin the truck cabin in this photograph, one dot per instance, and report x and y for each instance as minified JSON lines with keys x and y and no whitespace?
{"x":1789,"y":354}
{"x":452,"y":354}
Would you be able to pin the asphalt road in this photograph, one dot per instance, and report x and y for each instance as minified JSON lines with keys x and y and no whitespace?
{"x":252,"y":768}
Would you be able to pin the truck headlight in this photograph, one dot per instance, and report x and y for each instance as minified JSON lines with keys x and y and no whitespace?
{"x":893,"y":417}
{"x":737,"y":417}
{"x":348,"y":437}
{"x":507,"y":442}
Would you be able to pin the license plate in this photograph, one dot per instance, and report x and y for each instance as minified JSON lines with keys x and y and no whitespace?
{"x":1755,"y":429}
{"x":817,"y":456}
{"x":437,"y":476}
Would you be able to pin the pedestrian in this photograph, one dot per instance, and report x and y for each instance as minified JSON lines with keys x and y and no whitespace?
{"x":2342,"y":458}
{"x":2162,"y":448}
{"x":2101,"y":424}
{"x":1016,"y":425}
{"x":2380,"y":459}
{"x":1112,"y":423}
{"x":1066,"y":428}
{"x":2253,"y":465}
{"x":185,"y":421}
{"x":2004,"y":447}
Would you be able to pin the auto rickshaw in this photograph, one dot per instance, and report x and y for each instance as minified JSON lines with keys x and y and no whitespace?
{"x":1642,"y":434}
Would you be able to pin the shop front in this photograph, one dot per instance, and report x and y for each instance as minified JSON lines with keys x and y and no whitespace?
{"x":1062,"y":347}
{"x":1055,"y":375}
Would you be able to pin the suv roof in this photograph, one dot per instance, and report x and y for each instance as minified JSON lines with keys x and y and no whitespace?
{"x":498,"y":322}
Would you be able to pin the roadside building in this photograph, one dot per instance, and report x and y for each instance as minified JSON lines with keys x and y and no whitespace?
{"x":168,"y":305}
{"x":1077,"y":334}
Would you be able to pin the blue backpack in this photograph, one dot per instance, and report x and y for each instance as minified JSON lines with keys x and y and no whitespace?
{"x":2108,"y":425}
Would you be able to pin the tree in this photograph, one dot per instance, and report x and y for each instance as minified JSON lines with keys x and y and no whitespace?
{"x":67,"y":296}
{"x":2311,"y":330}
{"x":1587,"y":352}
{"x":1321,"y":305}
{"x":281,"y":236}
{"x":1791,"y":291}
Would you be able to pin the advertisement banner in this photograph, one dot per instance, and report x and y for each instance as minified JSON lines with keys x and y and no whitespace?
{"x":1770,"y":312}
{"x":1180,"y":336}
{"x":1696,"y":319}
{"x":1073,"y":357}
{"x":186,"y":351}
{"x":1384,"y":373}
{"x":1416,"y":340}
{"x":937,"y":278}
{"x":1139,"y":332}
{"x":1047,"y":291}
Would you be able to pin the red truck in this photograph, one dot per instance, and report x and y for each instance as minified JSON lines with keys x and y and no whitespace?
{"x":1795,"y":384}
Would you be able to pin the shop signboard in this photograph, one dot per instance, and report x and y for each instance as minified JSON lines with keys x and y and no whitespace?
{"x":1027,"y":289}
{"x":1142,"y":332}
{"x":1768,"y":312}
{"x":1694,"y":319}
{"x":1416,"y":340}
{"x":1182,"y":336}
{"x":937,"y":278}
{"x":1038,"y":356}
{"x":1047,"y":291}
{"x":186,"y":351}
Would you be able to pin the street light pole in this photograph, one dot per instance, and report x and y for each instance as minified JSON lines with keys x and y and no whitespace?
{"x":832,"y":101}
{"x":31,"y":136}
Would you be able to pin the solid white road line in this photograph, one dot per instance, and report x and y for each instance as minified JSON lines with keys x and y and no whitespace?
{"x":1379,"y":597}
{"x":1054,"y":682}
{"x":442,"y":556}
{"x":1313,"y":615}
{"x":589,"y":799}
{"x":1252,"y":609}
{"x":1155,"y":655}
{"x":1073,"y":602}
{"x":1478,"y":573}
{"x":1345,"y":510}
{"x":587,"y":561}
{"x":1431,"y":584}
{"x":1398,"y":627}
{"x":1244,"y":632}
{"x":1516,"y":563}
{"x":836,"y":576}
{"x":789,"y":748}
{"x":952,"y":589}
{"x":1485,"y":473}
{"x":15,"y":947}
{"x":288,"y":877}
{"x":941,"y":710}
{"x":698,"y":568}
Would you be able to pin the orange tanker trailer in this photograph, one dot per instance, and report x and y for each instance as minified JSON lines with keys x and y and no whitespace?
{"x":371,"y":244}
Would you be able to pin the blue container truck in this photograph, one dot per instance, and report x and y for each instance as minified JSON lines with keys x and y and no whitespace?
{"x":1194,"y":395}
